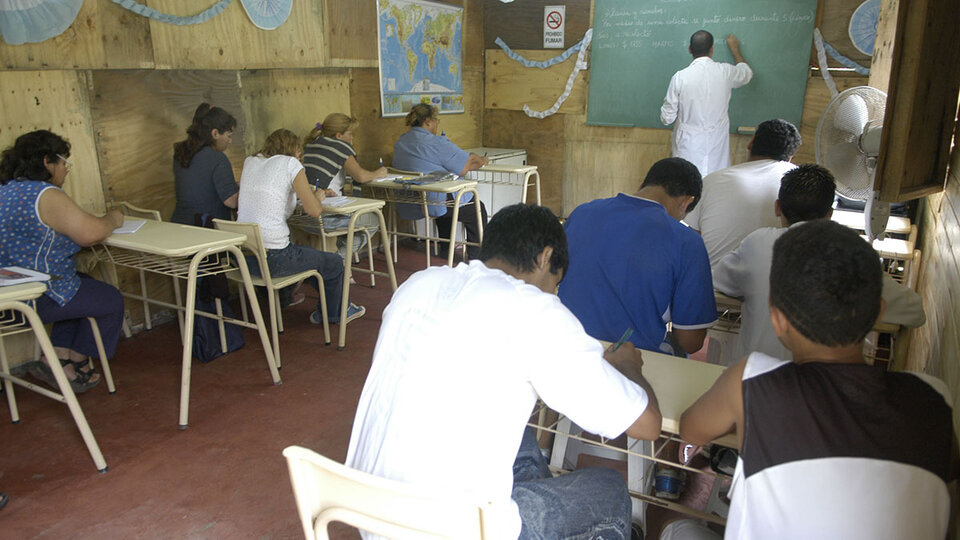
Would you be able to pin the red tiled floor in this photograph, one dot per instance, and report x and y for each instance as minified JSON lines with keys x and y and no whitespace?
{"x":225,"y":475}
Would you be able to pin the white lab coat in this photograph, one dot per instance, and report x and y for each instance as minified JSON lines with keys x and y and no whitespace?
{"x":696,"y":104}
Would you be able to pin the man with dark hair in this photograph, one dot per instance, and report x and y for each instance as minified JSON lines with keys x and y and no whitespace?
{"x":829,"y":446}
{"x":697,"y":100}
{"x":463,"y":354}
{"x":739,"y":199}
{"x":634,"y":265}
{"x":806,"y":193}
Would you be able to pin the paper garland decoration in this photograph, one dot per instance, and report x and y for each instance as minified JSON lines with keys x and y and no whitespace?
{"x":145,"y":11}
{"x":581,"y":64}
{"x":33,"y":21}
{"x":267,"y":14}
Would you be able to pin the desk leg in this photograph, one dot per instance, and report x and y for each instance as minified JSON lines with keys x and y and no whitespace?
{"x":257,"y":315}
{"x":187,"y":355}
{"x":639,"y":474}
{"x":453,"y":229}
{"x":7,"y":385}
{"x":385,"y":238}
{"x":66,"y":391}
{"x":345,"y":290}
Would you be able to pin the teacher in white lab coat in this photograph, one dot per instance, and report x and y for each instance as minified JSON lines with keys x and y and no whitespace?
{"x":697,"y":100}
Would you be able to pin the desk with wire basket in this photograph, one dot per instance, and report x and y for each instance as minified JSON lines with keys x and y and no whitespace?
{"x":397,"y":191}
{"x":186,"y":252}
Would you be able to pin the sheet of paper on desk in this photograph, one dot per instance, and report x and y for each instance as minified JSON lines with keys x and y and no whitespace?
{"x":15,"y":275}
{"x":337,"y":201}
{"x":129,"y":226}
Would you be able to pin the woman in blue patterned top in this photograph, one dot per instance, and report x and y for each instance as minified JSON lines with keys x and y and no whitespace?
{"x":41,"y":228}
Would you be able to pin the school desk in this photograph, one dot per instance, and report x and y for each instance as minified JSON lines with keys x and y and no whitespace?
{"x":677,"y":383}
{"x":186,"y":252}
{"x":16,"y":316}
{"x":395,"y":191}
{"x":354,"y":207}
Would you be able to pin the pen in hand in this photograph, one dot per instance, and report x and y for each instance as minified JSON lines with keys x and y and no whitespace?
{"x":623,"y":339}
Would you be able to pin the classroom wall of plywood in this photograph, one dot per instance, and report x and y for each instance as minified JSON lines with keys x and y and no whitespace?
{"x":578,"y":162}
{"x":934,"y":346}
{"x":123,"y":89}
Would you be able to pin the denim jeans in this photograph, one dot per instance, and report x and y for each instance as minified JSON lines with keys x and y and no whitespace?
{"x":294,"y":258}
{"x":582,"y":505}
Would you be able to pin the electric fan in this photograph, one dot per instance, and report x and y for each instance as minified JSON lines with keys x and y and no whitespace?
{"x":848,"y":143}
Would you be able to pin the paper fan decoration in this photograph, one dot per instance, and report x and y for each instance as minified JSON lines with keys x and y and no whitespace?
{"x":863,"y":26}
{"x":33,"y":21}
{"x":267,"y":14}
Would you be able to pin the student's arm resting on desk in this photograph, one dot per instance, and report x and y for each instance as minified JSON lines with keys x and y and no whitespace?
{"x":59,"y":212}
{"x":474,"y":162}
{"x":719,"y":411}
{"x":361,"y":175}
{"x":312,"y":200}
{"x":628,"y":361}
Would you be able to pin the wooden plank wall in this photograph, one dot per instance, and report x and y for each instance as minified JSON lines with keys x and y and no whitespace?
{"x":123,"y":89}
{"x":934,"y":346}
{"x":577,"y":162}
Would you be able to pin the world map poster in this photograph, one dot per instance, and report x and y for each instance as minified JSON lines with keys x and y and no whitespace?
{"x":421,"y":55}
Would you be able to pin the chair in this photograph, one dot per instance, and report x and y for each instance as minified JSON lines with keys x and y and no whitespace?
{"x":145,"y":213}
{"x":327,"y":491}
{"x":254,"y":244}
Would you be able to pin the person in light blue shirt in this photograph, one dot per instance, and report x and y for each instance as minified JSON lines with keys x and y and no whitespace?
{"x":634,"y":265}
{"x":422,"y":149}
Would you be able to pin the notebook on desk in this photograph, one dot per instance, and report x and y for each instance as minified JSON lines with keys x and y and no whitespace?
{"x":15,"y":275}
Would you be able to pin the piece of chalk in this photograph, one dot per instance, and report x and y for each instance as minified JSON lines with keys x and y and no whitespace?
{"x":746,"y":129}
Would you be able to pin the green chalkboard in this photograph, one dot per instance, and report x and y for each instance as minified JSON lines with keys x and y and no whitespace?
{"x":639,"y":44}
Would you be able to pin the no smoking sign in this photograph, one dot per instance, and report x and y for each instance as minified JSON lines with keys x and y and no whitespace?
{"x":553,"y":21}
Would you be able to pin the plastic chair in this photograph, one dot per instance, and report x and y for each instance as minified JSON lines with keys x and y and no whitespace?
{"x":254,"y":244}
{"x":145,"y":213}
{"x":328,"y":491}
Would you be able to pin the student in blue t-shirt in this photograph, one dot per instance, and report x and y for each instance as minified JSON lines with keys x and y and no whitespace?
{"x":634,"y":265}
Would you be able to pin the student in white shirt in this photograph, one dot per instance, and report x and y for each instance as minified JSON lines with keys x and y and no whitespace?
{"x":739,"y":200}
{"x":270,"y":184}
{"x":697,"y":100}
{"x":431,"y":383}
{"x":806,"y":193}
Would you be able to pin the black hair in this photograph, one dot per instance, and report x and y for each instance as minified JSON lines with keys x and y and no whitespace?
{"x":25,"y":158}
{"x":518,"y":233}
{"x":678,"y":177}
{"x":827,"y":281}
{"x":205,"y":119}
{"x":700,"y":43}
{"x":420,"y":113}
{"x":776,"y":139}
{"x":806,"y":193}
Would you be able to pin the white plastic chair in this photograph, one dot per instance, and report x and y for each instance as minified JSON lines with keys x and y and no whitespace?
{"x":328,"y":491}
{"x":254,"y":244}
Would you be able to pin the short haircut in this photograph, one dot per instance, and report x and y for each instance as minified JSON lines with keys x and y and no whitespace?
{"x":776,"y":139}
{"x":827,"y":281}
{"x":518,"y":233}
{"x":24,"y":159}
{"x":678,"y":177}
{"x":700,"y":43}
{"x":806,"y":193}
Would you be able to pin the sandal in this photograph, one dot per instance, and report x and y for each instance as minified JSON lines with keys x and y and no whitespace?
{"x":80,"y":384}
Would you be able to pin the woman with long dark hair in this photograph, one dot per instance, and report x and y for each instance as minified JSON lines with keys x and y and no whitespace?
{"x":205,"y":184}
{"x":41,"y":228}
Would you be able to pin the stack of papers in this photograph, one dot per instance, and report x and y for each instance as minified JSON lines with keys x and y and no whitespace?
{"x":15,"y":275}
{"x":390,"y":178}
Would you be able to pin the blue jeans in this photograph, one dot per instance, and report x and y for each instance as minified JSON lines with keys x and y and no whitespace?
{"x":585,"y":504}
{"x":293,"y":259}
